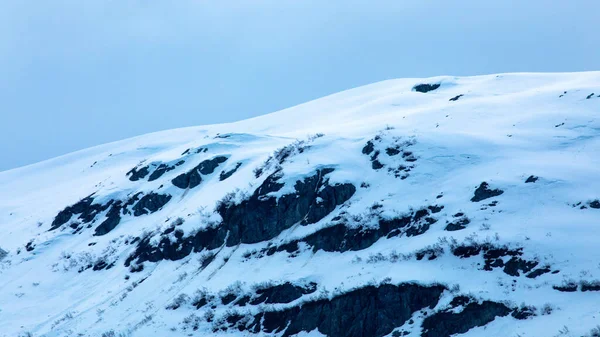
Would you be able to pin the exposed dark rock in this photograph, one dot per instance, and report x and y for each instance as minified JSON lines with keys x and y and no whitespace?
{"x":376,"y":164}
{"x":461,"y":300}
{"x":368,"y":148}
{"x":189,"y":179}
{"x":138,"y":174}
{"x":391,"y":151}
{"x":447,"y":323}
{"x":208,"y":166}
{"x":458,"y":224}
{"x":192,"y":178}
{"x":539,"y":272}
{"x":130,"y":202}
{"x":150,"y":203}
{"x":429,"y":253}
{"x":160,"y":170}
{"x":483,"y":192}
{"x":261,"y":217}
{"x":567,"y":287}
{"x":30,"y":246}
{"x":283,"y":293}
{"x":400,"y":167}
{"x":228,"y":298}
{"x":208,"y":239}
{"x":455,"y":98}
{"x":113,"y":217}
{"x":340,"y":238}
{"x":531,"y":179}
{"x":523,"y":313}
{"x":494,"y":258}
{"x":200,"y":302}
{"x":590,"y":96}
{"x":243,"y":300}
{"x":369,"y":311}
{"x":516,"y":264}
{"x":590,"y":286}
{"x":594,"y":204}
{"x":102,"y":264}
{"x":426,"y":87}
{"x":226,"y":174}
{"x":86,"y":209}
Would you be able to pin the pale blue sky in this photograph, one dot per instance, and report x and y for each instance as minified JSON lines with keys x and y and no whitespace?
{"x":74,"y":74}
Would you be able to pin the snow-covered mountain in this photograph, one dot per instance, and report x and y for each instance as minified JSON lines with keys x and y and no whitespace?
{"x":413,"y":207}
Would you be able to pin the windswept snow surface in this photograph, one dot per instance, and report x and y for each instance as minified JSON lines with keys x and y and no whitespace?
{"x":433,"y":151}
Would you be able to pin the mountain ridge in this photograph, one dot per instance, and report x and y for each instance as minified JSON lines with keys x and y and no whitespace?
{"x":453,"y":199}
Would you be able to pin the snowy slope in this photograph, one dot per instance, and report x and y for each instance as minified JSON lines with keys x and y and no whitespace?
{"x":474,"y":205}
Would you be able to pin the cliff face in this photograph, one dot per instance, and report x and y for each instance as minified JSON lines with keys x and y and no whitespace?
{"x":418,"y":207}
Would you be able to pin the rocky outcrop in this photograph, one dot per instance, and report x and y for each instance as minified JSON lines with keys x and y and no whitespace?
{"x":113,"y":217}
{"x":136,"y":174}
{"x":261,"y":217}
{"x":484,"y":192}
{"x":458,"y":224}
{"x":369,"y":311}
{"x":193,"y":177}
{"x":282,"y":293}
{"x":158,"y":170}
{"x":150,"y":203}
{"x":89,"y":211}
{"x":494,"y":257}
{"x":85,"y":208}
{"x":448,"y":323}
{"x":423,"y":88}
{"x":531,"y":179}
{"x":340,"y":238}
{"x":226,"y":174}
{"x":400,"y":166}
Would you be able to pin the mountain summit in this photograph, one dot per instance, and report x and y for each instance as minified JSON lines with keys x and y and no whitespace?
{"x":415,"y":207}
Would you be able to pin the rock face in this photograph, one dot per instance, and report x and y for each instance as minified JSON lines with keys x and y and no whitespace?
{"x":86,"y":209}
{"x":113,"y":217}
{"x":89,"y":212}
{"x":370,"y":311}
{"x":261,"y":217}
{"x":444,"y":324}
{"x":283,"y":293}
{"x":150,"y":203}
{"x":340,"y":238}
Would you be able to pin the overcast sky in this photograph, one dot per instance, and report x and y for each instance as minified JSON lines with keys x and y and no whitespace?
{"x":74,"y":74}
